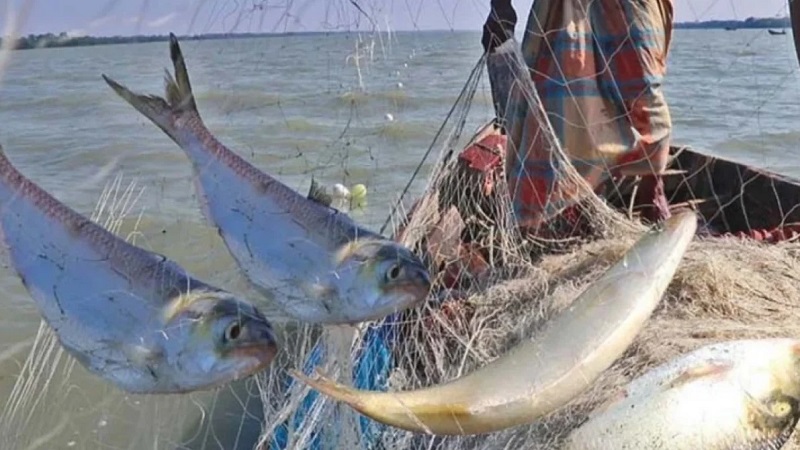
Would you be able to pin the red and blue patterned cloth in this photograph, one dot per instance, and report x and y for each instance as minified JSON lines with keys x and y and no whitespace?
{"x":598,"y":67}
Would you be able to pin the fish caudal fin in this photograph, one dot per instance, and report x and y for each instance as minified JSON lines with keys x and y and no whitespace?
{"x":178,"y":92}
{"x":330,"y":388}
{"x":179,"y":89}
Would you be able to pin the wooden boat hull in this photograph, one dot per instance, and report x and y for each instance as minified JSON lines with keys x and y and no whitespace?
{"x":731,"y":197}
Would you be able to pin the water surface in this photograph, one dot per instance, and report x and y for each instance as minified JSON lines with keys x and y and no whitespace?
{"x":296,"y":107}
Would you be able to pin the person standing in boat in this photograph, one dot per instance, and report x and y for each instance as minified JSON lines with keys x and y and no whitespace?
{"x":598,"y":67}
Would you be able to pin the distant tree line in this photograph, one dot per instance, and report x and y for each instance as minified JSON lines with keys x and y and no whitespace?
{"x":750,"y":22}
{"x":64,"y":40}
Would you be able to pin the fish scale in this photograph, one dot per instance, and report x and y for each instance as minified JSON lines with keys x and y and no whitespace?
{"x":105,"y":298}
{"x":122,"y":257}
{"x":315,"y":261}
{"x":329,"y":221}
{"x":734,"y":395}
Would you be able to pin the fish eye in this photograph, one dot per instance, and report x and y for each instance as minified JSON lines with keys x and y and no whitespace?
{"x":233,"y":332}
{"x":780,"y":408}
{"x":394,"y":272}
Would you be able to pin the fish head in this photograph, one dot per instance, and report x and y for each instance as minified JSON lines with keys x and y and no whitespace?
{"x":771,"y":416}
{"x":785,"y":366}
{"x":774,"y":389}
{"x":218,"y":338}
{"x":380,"y":276}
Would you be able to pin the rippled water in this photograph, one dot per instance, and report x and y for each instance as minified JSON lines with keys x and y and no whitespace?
{"x":294,"y":107}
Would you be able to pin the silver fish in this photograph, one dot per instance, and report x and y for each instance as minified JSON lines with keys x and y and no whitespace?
{"x":129,"y":316}
{"x":314,"y":260}
{"x":542,"y":374}
{"x":739,"y":395}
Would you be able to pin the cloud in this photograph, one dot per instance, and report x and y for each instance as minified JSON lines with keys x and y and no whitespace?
{"x":77,"y":32}
{"x":100,"y":21}
{"x":161,"y":21}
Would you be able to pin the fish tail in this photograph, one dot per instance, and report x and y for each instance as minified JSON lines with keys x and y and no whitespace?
{"x":330,"y":388}
{"x":6,"y":166}
{"x":178,"y":100}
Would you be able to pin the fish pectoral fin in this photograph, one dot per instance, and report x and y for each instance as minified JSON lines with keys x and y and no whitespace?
{"x":707,"y":369}
{"x":82,"y":357}
{"x":320,"y":291}
{"x":144,"y":355}
{"x":329,"y":387}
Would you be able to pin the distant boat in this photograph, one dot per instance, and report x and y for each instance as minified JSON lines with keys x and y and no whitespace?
{"x":776,"y":32}
{"x":730,"y":28}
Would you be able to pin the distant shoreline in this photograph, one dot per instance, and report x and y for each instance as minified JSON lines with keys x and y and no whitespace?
{"x":50,"y":40}
{"x":749,"y":23}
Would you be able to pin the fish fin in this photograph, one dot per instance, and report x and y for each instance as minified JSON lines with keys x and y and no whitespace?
{"x":3,"y":156}
{"x":320,"y":291}
{"x":143,"y":355}
{"x":82,"y":358}
{"x":178,"y":92}
{"x":329,"y":387}
{"x":707,"y":369}
{"x":317,"y":193}
{"x":153,"y":107}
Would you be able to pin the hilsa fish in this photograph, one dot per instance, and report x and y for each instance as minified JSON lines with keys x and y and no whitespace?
{"x":736,"y":395}
{"x":129,"y":316}
{"x":315,"y":261}
{"x":547,"y":371}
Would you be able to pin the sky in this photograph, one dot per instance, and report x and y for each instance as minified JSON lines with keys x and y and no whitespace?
{"x":127,"y":17}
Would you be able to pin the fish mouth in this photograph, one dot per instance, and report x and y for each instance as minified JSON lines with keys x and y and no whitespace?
{"x":416,"y":292}
{"x":262,"y":354}
{"x":795,"y":349}
{"x":420,"y":284}
{"x":417,"y":288}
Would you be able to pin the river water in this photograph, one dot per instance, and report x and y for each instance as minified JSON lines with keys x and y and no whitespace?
{"x":299,"y":106}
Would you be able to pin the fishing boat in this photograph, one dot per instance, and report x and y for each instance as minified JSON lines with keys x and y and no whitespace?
{"x":732,"y":198}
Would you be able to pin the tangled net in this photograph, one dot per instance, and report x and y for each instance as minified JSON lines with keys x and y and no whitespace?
{"x":496,"y":287}
{"x":493,"y":288}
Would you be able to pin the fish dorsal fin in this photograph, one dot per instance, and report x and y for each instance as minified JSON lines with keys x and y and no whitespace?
{"x":317,"y":194}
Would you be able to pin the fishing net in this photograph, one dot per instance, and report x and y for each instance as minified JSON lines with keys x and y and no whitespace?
{"x":493,"y":286}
